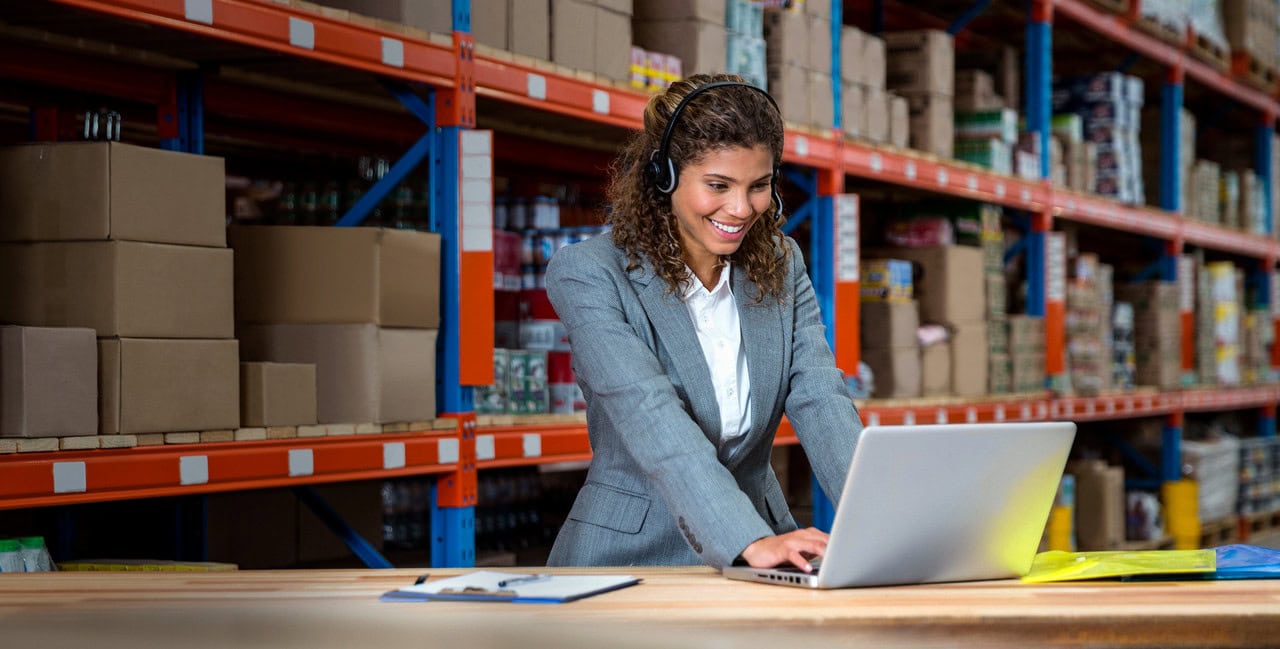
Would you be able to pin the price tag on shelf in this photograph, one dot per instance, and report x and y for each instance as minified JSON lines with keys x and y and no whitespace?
{"x":301,"y":462}
{"x":392,"y":52}
{"x":877,"y":164}
{"x":536,"y":86}
{"x":802,"y":146}
{"x":999,"y":414}
{"x":1000,"y":189}
{"x":909,"y":418}
{"x":532,"y":445}
{"x":393,"y":455}
{"x":941,"y":416}
{"x":302,"y":33}
{"x":198,"y":11}
{"x":447,"y":451}
{"x":485,"y":448}
{"x":942,"y":177}
{"x":69,"y":477}
{"x":193,"y":469}
{"x":972,"y":183}
{"x":600,"y":101}
{"x":1026,"y":195}
{"x":910,"y":170}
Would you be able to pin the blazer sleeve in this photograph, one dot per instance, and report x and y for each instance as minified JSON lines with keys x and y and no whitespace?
{"x":818,"y":404}
{"x":594,"y":300}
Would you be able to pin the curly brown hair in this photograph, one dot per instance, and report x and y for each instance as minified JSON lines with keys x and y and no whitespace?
{"x":642,"y":221}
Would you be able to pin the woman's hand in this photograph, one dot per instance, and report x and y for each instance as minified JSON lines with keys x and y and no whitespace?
{"x":795,"y":547}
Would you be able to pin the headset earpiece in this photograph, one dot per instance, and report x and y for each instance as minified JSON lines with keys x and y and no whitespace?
{"x":663,"y":176}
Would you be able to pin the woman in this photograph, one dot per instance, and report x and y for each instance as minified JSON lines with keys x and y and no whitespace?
{"x":694,"y":328}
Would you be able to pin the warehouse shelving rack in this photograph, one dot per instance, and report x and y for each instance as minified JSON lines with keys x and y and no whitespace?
{"x":454,"y":76}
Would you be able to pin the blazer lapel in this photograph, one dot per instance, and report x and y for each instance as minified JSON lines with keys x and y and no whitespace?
{"x":762,"y":338}
{"x":673,"y":326}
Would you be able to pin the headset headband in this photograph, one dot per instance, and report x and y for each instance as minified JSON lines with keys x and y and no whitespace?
{"x":662,"y":156}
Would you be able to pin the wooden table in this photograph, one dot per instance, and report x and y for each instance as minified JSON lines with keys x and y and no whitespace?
{"x":674,"y":607}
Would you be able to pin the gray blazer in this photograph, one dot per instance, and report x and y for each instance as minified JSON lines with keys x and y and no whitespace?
{"x":662,"y":488}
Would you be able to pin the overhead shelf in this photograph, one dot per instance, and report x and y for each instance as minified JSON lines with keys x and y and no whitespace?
{"x":73,"y":477}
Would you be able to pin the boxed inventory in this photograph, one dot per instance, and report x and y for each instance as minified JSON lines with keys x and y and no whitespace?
{"x":969,"y":359}
{"x":935,"y":369}
{"x":947,"y":282}
{"x":430,"y":16}
{"x":313,"y":275}
{"x":48,"y":382}
{"x":529,"y":29}
{"x":699,"y":45}
{"x":920,"y":61}
{"x":896,"y":370}
{"x":573,"y":33}
{"x":364,"y":373}
{"x":119,"y":288}
{"x":889,"y":324}
{"x":91,"y":191}
{"x":277,"y":394}
{"x":162,"y":386}
{"x":886,"y":280}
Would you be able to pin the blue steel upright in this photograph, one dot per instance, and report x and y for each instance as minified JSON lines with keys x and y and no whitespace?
{"x":1038,"y":110}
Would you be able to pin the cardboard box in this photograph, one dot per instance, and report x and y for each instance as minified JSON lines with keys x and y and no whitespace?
{"x":312,"y":275}
{"x":969,"y":359}
{"x":1100,"y":514}
{"x":852,"y":109}
{"x":874,"y":61}
{"x":851,"y":60}
{"x":431,"y":16}
{"x":899,"y":121}
{"x":931,"y":123}
{"x":999,"y":372}
{"x":701,"y":46}
{"x":821,"y":104}
{"x":119,"y":288}
{"x":1028,"y":371}
{"x":889,"y":324}
{"x":364,"y":373}
{"x":613,"y":45}
{"x":896,"y":370}
{"x":886,"y":280}
{"x":935,"y":370}
{"x":529,"y":31}
{"x":277,"y":394}
{"x":710,"y":11}
{"x":92,"y":191}
{"x":164,"y":386}
{"x":357,"y":503}
{"x":876,"y":105}
{"x":1026,"y":334}
{"x":789,"y":86}
{"x":48,"y":382}
{"x":920,"y":61}
{"x":489,"y":22}
{"x":624,"y":7}
{"x":820,"y":45}
{"x":573,"y":34}
{"x":786,"y":35}
{"x":947,"y":281}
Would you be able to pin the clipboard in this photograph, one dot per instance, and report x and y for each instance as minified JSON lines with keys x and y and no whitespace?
{"x":520,"y":588}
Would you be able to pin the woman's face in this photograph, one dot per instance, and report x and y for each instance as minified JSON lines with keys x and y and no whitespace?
{"x":718,"y":199}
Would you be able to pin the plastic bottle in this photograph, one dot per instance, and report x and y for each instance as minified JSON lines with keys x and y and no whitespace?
{"x":10,"y":556}
{"x":35,"y":557}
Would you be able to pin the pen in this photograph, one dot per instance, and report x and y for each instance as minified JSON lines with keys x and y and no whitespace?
{"x":523,"y":580}
{"x":422,"y":579}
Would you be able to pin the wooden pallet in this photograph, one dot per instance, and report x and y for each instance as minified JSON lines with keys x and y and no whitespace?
{"x":1206,"y":51}
{"x":1254,"y":72}
{"x":1259,"y":523}
{"x":1221,"y":532}
{"x":1166,"y":33}
{"x":1112,"y":6}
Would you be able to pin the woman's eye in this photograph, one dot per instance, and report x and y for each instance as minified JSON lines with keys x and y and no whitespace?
{"x":759,"y":188}
{"x":719,"y":187}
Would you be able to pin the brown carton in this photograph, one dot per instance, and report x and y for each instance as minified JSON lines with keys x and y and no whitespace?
{"x":529,"y":31}
{"x":821,"y":104}
{"x":789,"y":85}
{"x":947,"y":281}
{"x":164,"y":386}
{"x":613,"y":45}
{"x":710,"y":11}
{"x":364,"y":373}
{"x":119,"y":288}
{"x":931,"y":123}
{"x":701,"y":46}
{"x":896,"y":371}
{"x":489,"y":22}
{"x":310,"y":275}
{"x":999,"y":373}
{"x":852,"y":110}
{"x":920,"y":61}
{"x":431,"y":16}
{"x":48,"y":382}
{"x":1100,"y":504}
{"x":820,"y":45}
{"x":889,"y":324}
{"x":969,"y":359}
{"x":899,"y":121}
{"x":786,"y":35}
{"x":851,"y":59}
{"x":573,"y":34}
{"x":277,"y":394}
{"x":935,"y":369}
{"x":624,"y":7}
{"x":874,"y":62}
{"x":876,"y":120}
{"x":92,"y":191}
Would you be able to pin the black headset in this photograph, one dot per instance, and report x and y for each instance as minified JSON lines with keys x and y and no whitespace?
{"x":662,"y":170}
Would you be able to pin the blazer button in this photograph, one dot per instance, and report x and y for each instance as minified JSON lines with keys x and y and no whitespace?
{"x":697,"y":547}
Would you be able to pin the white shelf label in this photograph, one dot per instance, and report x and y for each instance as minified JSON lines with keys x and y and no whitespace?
{"x":485,"y":449}
{"x":392,"y":52}
{"x":910,"y":170}
{"x":999,"y":413}
{"x":873,"y":419}
{"x":536,"y":87}
{"x":941,"y":416}
{"x":877,"y":165}
{"x":1026,"y":195}
{"x":198,"y":11}
{"x":846,"y":206}
{"x":942,"y":177}
{"x":971,"y":416}
{"x":1071,"y":205}
{"x":802,"y":146}
{"x":447,"y":451}
{"x":301,"y":462}
{"x":193,"y":469}
{"x":393,"y":455}
{"x":1186,"y":283}
{"x":1111,"y":406}
{"x":1089,"y":408}
{"x":532,"y":445}
{"x":476,"y":152}
{"x":909,"y":419}
{"x":302,"y":33}
{"x":972,"y":183}
{"x":1128,"y":405}
{"x":69,"y":478}
{"x":1000,"y":189}
{"x":600,"y":101}
{"x":1026,"y":412}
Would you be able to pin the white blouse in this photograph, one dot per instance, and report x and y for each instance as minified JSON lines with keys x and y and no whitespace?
{"x":715,"y":318}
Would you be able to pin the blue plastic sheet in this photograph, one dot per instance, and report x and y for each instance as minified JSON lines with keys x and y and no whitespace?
{"x":1237,"y":561}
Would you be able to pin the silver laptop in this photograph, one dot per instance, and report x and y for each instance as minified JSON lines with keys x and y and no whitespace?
{"x":941,"y":503}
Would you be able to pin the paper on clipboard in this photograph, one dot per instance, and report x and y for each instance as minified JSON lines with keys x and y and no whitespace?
{"x":489,"y":586}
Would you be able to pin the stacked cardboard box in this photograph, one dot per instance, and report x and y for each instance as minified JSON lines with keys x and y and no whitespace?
{"x":869,"y":112}
{"x":744,"y":21}
{"x":1088,"y":354}
{"x":798,"y":44}
{"x":1110,"y":105}
{"x":1225,"y":305}
{"x":987,"y":137}
{"x":1206,"y":366}
{"x":1123,"y":359}
{"x":1250,"y":28}
{"x":1026,"y":352}
{"x":361,"y":304}
{"x":949,"y":284}
{"x":921,"y":68}
{"x":48,"y":382}
{"x":1257,"y":342}
{"x":1152,"y":153}
{"x":1157,"y":332}
{"x":890,"y":347}
{"x":137,"y":253}
{"x":693,"y":32}
{"x":591,"y":35}
{"x":1253,"y":200}
{"x":991,"y":239}
{"x":1206,"y":185}
{"x":1100,"y":504}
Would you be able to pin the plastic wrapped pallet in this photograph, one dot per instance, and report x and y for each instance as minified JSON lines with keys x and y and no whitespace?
{"x":1215,"y":466}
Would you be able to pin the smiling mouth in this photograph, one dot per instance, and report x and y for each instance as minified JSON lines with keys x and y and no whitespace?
{"x":723,"y":227}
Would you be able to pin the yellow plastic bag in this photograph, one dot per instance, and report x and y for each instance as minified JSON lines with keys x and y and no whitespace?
{"x":1071,"y":566}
